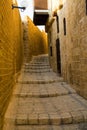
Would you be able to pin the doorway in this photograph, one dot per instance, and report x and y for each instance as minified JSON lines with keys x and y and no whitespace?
{"x":58,"y":56}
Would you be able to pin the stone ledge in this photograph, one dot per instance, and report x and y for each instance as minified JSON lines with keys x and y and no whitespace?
{"x":39,"y":81}
{"x":50,"y":119}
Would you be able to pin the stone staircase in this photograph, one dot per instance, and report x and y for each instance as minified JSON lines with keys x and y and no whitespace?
{"x":38,"y":65}
{"x":43,"y":101}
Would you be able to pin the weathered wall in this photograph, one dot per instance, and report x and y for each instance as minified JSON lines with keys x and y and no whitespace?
{"x":45,"y":42}
{"x":34,"y":39}
{"x":52,"y":36}
{"x":10,"y":52}
{"x":73,"y":45}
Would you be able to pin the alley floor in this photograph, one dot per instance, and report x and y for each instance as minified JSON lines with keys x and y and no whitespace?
{"x":43,"y":101}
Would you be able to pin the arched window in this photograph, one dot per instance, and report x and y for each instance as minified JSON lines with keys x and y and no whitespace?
{"x":64,"y":24}
{"x":57,"y":21}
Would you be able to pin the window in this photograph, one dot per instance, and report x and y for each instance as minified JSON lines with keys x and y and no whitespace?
{"x":86,"y":6}
{"x":51,"y":53}
{"x":57,"y":20}
{"x":64,"y":24}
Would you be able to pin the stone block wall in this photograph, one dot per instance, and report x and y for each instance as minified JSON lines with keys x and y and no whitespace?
{"x":73,"y":44}
{"x":35,"y":40}
{"x":52,"y":36}
{"x":45,"y":42}
{"x":10,"y":52}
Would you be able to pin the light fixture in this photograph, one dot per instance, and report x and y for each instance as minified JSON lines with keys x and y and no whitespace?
{"x":22,"y":8}
{"x":49,"y":24}
{"x":58,"y":8}
{"x":19,"y":7}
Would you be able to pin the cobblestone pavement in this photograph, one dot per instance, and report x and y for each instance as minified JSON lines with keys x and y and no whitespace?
{"x":43,"y":101}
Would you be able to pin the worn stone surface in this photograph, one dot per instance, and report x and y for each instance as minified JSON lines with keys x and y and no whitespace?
{"x":81,"y":126}
{"x":41,"y":90}
{"x":49,"y":106}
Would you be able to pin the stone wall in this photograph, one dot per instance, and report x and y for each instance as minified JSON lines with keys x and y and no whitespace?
{"x":10,"y":52}
{"x":73,"y":44}
{"x":34,"y":39}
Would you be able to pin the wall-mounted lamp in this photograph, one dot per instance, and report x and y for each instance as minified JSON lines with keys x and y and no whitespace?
{"x":22,"y":8}
{"x":58,"y":8}
{"x":49,"y":23}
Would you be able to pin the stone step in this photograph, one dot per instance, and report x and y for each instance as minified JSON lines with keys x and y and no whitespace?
{"x":51,"y":111}
{"x":40,"y":60}
{"x":62,"y":110}
{"x":37,"y":67}
{"x":39,"y":63}
{"x":39,"y":78}
{"x":39,"y":90}
{"x":40,"y":57}
{"x":39,"y":81}
{"x":49,"y":119}
{"x":37,"y":71}
{"x":79,"y":126}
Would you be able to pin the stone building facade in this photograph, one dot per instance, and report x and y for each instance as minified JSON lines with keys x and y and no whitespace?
{"x":67,"y":36}
{"x":10,"y":52}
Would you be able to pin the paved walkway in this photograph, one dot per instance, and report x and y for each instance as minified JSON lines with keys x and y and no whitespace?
{"x":43,"y":101}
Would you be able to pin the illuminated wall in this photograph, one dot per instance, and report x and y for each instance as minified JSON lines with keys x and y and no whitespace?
{"x":10,"y":52}
{"x":36,"y":40}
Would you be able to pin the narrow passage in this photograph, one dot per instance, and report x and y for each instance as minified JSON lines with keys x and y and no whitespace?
{"x":43,"y":101}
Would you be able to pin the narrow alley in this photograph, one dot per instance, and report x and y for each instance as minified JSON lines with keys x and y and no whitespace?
{"x":43,"y":101}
